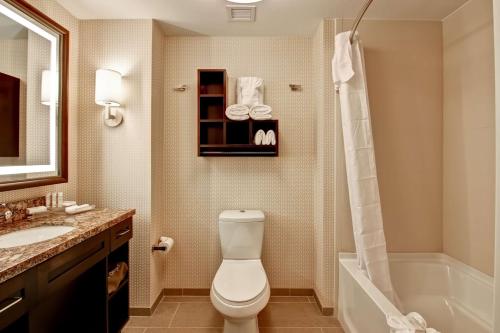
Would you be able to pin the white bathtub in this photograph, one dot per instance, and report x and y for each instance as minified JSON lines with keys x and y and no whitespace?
{"x":451,"y":296}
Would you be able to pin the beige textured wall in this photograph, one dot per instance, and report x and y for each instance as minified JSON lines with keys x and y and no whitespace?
{"x":469,"y":135}
{"x":324,"y":176}
{"x":404,"y":72}
{"x":59,"y":14}
{"x":157,"y":265}
{"x":115,"y":163}
{"x":198,"y":188}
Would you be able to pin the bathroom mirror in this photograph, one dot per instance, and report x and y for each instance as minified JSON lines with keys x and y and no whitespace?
{"x":33,"y":98}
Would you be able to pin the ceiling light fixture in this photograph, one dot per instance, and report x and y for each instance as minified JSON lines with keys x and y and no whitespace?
{"x":244,"y":1}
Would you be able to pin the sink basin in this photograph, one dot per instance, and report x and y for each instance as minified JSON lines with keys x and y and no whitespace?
{"x":32,"y":235}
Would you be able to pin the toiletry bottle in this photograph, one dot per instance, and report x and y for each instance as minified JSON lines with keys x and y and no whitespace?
{"x":60,"y":199}
{"x":48,"y":200}
{"x":54,"y":200}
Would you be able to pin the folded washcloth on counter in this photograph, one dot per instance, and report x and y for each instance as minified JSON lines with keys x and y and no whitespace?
{"x":250,"y":90}
{"x":261,"y":112}
{"x":260,"y":137}
{"x":238,"y":112}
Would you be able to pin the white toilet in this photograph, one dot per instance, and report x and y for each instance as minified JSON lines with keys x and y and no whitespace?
{"x":240,"y":289}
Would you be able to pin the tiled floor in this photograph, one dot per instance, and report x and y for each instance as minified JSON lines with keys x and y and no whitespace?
{"x":195,"y":314}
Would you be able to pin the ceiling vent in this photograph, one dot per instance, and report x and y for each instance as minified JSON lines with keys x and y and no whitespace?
{"x":236,"y":13}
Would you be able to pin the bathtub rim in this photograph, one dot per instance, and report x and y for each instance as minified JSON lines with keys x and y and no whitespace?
{"x":348,"y":261}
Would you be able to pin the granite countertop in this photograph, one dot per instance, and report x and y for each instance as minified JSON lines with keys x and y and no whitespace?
{"x":15,"y":260}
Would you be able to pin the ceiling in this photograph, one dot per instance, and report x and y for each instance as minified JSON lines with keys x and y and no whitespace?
{"x":274,"y":17}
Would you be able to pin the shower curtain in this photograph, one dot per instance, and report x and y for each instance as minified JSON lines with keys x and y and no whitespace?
{"x":349,"y":77}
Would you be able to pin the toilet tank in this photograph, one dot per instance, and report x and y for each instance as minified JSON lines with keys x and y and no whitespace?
{"x":241,"y":233}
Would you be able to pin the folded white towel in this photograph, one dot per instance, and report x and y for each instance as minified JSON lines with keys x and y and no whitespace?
{"x":237,"y":110}
{"x":261,"y":112}
{"x":260,"y":137}
{"x":261,"y":109}
{"x":261,"y":117}
{"x":250,"y":90}
{"x":270,"y":138}
{"x":237,"y":118}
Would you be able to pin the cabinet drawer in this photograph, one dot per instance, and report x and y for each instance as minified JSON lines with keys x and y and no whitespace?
{"x":16,"y":296}
{"x":121,"y":233}
{"x":67,"y":266}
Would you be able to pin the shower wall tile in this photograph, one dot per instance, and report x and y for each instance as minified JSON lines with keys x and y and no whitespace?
{"x":469,"y":135}
{"x":199,"y":188}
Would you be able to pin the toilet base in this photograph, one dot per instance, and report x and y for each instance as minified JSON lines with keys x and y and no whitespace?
{"x":249,"y":325}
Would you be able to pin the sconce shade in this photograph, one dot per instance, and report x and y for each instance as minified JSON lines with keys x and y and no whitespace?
{"x":45,"y":91}
{"x":107,"y":87}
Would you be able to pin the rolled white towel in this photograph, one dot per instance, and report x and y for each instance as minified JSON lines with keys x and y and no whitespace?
{"x":238,"y":118}
{"x":261,"y":109}
{"x":237,"y":110}
{"x":261,"y":112}
{"x":261,"y":116}
{"x":260,"y":137}
{"x":270,"y":138}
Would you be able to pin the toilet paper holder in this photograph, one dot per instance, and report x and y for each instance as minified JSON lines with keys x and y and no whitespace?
{"x":164,"y":244}
{"x":158,"y":248}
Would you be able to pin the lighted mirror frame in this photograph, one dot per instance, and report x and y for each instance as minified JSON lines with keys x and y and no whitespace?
{"x":31,"y":18}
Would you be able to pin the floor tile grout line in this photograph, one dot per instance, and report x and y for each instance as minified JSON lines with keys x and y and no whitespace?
{"x":175,"y":313}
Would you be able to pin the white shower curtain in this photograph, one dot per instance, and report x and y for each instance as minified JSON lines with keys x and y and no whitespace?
{"x":349,"y":77}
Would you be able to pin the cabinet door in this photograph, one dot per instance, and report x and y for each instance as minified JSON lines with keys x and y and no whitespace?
{"x":72,"y":290}
{"x":16,"y":296}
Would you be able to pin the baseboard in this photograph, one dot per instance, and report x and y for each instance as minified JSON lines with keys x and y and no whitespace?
{"x":147,"y":311}
{"x":206,"y":292}
{"x":325,"y":311}
{"x":291,"y":292}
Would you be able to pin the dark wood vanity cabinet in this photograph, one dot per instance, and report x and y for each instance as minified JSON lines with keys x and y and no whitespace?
{"x":69,"y":292}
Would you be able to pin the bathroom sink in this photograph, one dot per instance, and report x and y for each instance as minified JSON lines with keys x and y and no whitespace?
{"x":32,"y":235}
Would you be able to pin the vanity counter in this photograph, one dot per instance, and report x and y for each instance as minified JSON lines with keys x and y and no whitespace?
{"x":16,"y":260}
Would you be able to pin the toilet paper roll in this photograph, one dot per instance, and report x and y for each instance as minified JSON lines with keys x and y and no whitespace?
{"x":166,"y":242}
{"x":36,"y":210}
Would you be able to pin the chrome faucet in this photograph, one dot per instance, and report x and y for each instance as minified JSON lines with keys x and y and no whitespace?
{"x":6,"y":212}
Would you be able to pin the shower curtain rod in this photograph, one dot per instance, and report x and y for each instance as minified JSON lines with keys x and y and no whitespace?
{"x":358,"y":18}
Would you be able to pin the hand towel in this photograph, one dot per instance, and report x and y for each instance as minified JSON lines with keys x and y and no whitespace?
{"x":250,"y":90}
{"x":270,"y":138}
{"x":238,"y":110}
{"x":260,"y":137}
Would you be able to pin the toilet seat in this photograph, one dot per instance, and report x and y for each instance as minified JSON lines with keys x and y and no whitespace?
{"x":240,"y":282}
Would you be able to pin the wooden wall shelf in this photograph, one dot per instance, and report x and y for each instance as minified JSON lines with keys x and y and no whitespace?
{"x":219,"y":135}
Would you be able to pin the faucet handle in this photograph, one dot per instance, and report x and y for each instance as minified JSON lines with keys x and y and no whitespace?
{"x":5,"y":212}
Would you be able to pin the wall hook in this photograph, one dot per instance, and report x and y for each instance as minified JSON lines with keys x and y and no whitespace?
{"x":295,"y":87}
{"x":181,"y":88}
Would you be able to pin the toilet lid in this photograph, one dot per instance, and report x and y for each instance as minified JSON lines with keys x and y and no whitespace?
{"x":240,"y":280}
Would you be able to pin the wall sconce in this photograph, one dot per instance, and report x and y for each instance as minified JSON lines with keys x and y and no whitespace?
{"x":107,"y":93}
